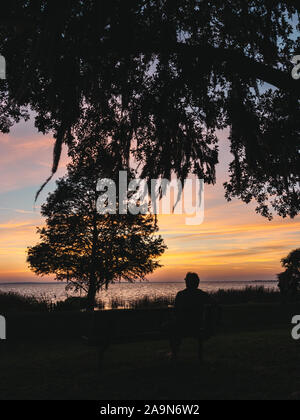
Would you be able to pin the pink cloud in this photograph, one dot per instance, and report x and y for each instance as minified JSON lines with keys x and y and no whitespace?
{"x":25,"y":159}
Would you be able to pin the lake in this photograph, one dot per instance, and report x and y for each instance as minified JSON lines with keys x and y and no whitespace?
{"x":127,"y":292}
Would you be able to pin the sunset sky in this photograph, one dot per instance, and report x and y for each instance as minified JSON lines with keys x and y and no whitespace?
{"x":233,"y":243}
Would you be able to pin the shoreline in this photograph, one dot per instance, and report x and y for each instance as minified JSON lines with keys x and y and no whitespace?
{"x":148,"y":282}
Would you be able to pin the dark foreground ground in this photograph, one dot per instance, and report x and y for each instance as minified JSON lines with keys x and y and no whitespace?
{"x":242,"y":362}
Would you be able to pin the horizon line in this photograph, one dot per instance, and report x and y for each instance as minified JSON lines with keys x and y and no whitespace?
{"x":149,"y":282}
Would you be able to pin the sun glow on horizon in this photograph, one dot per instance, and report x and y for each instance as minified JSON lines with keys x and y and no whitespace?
{"x":233,"y":243}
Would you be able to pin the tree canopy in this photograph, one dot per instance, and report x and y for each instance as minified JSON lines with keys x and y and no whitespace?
{"x":87,"y":249}
{"x":289,"y":280}
{"x":158,"y":79}
{"x":292,"y":262}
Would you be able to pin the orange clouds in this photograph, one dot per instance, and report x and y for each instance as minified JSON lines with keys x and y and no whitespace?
{"x":225,"y":246}
{"x":233,"y":243}
{"x":15,"y":236}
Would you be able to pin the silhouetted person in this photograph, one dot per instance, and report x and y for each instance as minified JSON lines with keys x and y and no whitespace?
{"x":192,"y":315}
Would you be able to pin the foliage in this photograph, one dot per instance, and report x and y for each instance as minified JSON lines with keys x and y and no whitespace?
{"x":289,"y":280}
{"x":14,"y":302}
{"x":71,"y":304}
{"x":87,"y":249}
{"x":158,"y":79}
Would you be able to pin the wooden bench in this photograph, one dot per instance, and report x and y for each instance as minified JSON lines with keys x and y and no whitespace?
{"x":109,"y":328}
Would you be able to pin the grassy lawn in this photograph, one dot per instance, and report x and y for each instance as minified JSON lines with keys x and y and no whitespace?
{"x":250,"y":365}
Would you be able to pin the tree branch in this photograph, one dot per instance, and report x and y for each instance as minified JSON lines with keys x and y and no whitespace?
{"x":232,"y":60}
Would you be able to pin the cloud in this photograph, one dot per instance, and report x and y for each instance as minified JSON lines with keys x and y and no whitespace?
{"x":26,"y":158}
{"x":233,"y":243}
{"x":20,"y":211}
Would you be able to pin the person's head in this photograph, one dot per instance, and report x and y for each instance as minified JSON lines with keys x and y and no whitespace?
{"x":192,"y":281}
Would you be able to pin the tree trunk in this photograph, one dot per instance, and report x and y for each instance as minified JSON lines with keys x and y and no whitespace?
{"x":91,"y":296}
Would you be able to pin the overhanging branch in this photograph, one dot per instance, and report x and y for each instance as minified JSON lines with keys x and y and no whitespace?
{"x":233,"y":61}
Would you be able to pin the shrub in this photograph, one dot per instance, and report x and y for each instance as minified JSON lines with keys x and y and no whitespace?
{"x":12,"y":302}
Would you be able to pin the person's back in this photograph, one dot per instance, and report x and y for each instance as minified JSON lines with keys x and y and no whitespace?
{"x":190,"y":306}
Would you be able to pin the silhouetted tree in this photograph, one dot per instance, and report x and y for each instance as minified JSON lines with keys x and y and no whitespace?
{"x":158,"y":79}
{"x":289,"y":280}
{"x":87,"y":249}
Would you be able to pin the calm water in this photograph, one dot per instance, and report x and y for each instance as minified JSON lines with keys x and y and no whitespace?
{"x":124,"y":291}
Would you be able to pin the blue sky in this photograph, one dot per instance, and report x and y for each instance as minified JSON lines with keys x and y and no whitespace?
{"x":233,"y":243}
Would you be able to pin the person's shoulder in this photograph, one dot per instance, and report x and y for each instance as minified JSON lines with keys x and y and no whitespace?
{"x":181,"y":293}
{"x":203,"y":295}
{"x":201,"y":292}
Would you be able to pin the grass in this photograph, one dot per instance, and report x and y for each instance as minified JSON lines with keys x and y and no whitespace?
{"x":12,"y":302}
{"x":224,"y":297}
{"x":252,"y":357}
{"x":142,"y":303}
{"x":261,"y":365}
{"x":246,"y":295}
